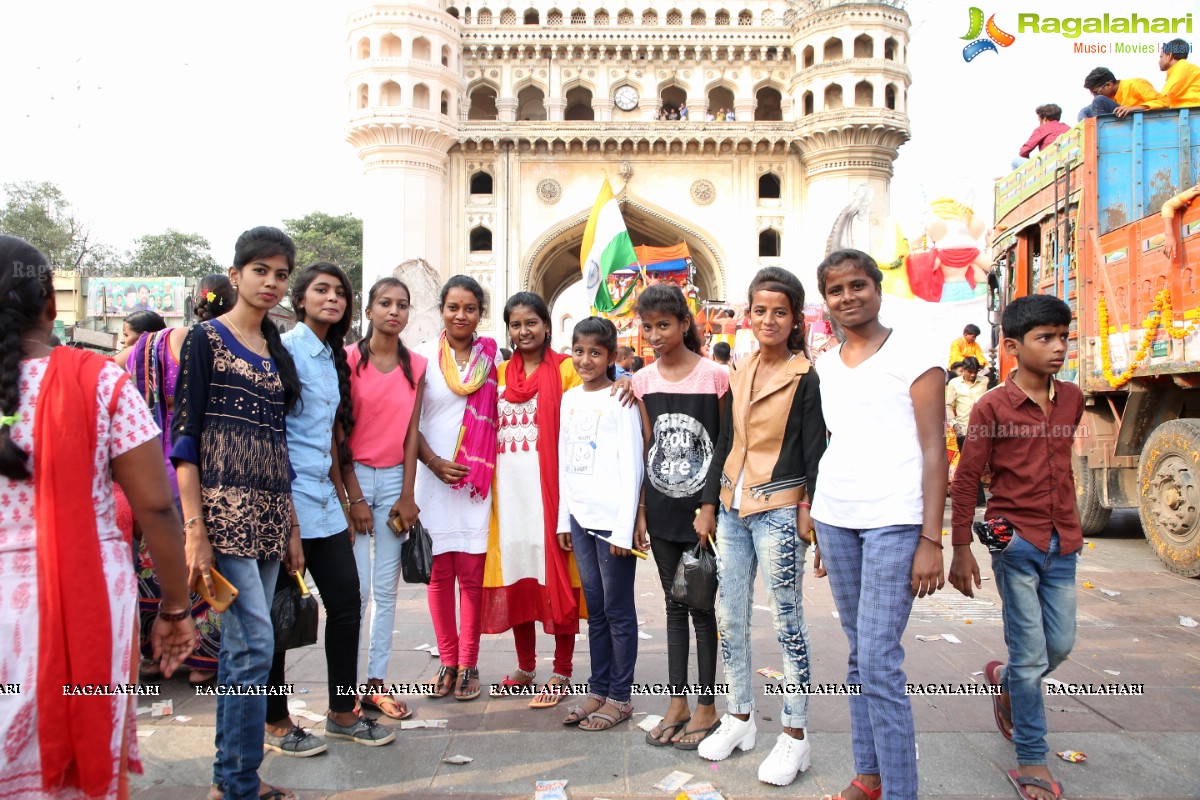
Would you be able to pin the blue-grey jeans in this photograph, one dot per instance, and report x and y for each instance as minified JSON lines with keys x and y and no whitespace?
{"x":1038,"y":593}
{"x":1099,"y":105}
{"x":247,"y":649}
{"x":612,"y":616}
{"x":378,"y":559}
{"x":767,"y":538}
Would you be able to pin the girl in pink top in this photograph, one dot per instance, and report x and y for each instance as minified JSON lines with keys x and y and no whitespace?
{"x":386,"y":385}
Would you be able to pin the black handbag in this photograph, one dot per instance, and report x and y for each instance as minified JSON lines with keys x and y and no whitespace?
{"x":416,"y":555}
{"x":293,"y":614}
{"x":695,"y":583}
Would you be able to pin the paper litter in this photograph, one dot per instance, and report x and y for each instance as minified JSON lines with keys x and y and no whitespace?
{"x":649,"y":722}
{"x":951,"y":638}
{"x":673,"y":782}
{"x":550,"y":790}
{"x":183,"y":718}
{"x":700,"y":791}
{"x":1188,"y":622}
{"x":921,"y":637}
{"x":412,"y":724}
{"x":769,"y":672}
{"x":164,"y":708}
{"x":1110,"y":593}
{"x":1112,"y":672}
{"x":1072,"y":756}
{"x":644,"y":635}
{"x":457,"y":760}
{"x":425,"y":646}
{"x":145,"y":733}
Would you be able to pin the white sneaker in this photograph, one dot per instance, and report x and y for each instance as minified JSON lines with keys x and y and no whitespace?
{"x":788,"y":757}
{"x":733,"y":734}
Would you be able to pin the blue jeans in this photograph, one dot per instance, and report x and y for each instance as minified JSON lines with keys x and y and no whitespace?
{"x":1099,"y":105}
{"x":768,"y":538}
{"x":1038,"y":593}
{"x":378,"y":559}
{"x":612,"y":618}
{"x":870,"y":572}
{"x":247,"y":649}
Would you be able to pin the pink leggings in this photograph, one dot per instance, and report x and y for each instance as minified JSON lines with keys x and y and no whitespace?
{"x":525,"y":636}
{"x":458,"y":646}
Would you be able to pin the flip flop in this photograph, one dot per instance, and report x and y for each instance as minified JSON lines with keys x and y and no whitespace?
{"x":1020,"y":781}
{"x":1002,"y":713}
{"x":669,"y":730}
{"x":551,"y":694}
{"x":379,"y":700}
{"x":696,"y":744}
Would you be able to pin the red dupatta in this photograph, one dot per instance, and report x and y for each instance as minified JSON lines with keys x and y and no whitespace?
{"x":74,"y":628}
{"x":546,"y":384}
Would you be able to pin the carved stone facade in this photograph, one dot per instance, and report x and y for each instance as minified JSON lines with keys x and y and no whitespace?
{"x":486,"y":130}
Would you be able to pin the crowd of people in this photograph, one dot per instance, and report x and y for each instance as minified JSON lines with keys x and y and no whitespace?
{"x":248,"y":456}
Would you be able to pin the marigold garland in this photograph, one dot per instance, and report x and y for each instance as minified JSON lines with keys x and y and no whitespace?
{"x":1162,"y":314}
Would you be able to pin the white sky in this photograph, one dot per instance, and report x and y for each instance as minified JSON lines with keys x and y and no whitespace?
{"x":214,"y":117}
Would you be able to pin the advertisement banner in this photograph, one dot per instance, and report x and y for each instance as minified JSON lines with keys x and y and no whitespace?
{"x":122,"y":296}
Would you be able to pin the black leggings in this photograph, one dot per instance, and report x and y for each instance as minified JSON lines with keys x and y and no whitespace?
{"x":330,"y":561}
{"x":666,"y":556}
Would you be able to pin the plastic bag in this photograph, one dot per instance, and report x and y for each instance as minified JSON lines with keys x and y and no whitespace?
{"x":416,"y":555}
{"x":695,"y":582}
{"x":293,"y":614}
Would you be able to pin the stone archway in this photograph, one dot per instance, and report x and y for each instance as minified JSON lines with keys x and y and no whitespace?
{"x":553,"y":263}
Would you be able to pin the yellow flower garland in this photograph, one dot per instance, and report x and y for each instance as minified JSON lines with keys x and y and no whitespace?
{"x":1161,"y":315}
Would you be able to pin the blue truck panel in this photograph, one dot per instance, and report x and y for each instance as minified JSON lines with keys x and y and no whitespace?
{"x":1142,"y":160}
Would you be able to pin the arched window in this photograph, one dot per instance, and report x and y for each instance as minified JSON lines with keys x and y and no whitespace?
{"x":625,"y":17}
{"x":532,"y":17}
{"x":579,"y":17}
{"x":808,"y":103}
{"x":364,"y":48}
{"x":772,"y":53}
{"x":864,"y":47}
{"x":483,"y":103}
{"x":698,"y":18}
{"x":364,"y":96}
{"x":650,"y":17}
{"x":673,"y":97}
{"x":452,"y":11}
{"x":770,"y":105}
{"x":421,"y":96}
{"x":770,"y":244}
{"x":390,"y":46}
{"x":769,"y":186}
{"x":745,"y":17}
{"x":389,"y":94}
{"x":508,"y":17}
{"x":889,"y":96}
{"x":768,"y":17}
{"x":554,"y":17}
{"x":485,"y":17}
{"x":674,"y":17}
{"x":481,"y":240}
{"x":889,"y":49}
{"x":444,"y":105}
{"x":579,"y":105}
{"x":833,"y":50}
{"x":445,"y":55}
{"x":421,"y":49}
{"x":601,"y":17}
{"x":531,"y":104}
{"x":864,"y":94}
{"x":809,"y":56}
{"x":722,"y":17}
{"x":720,"y":99}
{"x":481,"y":183}
{"x":833,"y":97}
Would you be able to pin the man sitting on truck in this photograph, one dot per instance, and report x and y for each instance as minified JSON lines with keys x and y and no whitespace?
{"x":1120,"y":97}
{"x":1049,"y":128}
{"x":1182,"y":88}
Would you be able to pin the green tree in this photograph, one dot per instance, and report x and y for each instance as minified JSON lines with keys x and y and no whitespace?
{"x":39,"y":213}
{"x":170,"y":254}
{"x":324,"y":237}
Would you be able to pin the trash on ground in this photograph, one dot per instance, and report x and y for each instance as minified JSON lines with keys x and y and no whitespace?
{"x":183,"y":718}
{"x":412,"y":724}
{"x":966,"y":622}
{"x":673,"y":782}
{"x":304,"y":690}
{"x":1110,"y":592}
{"x":458,"y":759}
{"x":933,"y":637}
{"x":835,"y":615}
{"x":769,"y":672}
{"x":143,"y":710}
{"x":700,"y":791}
{"x":649,"y":722}
{"x":1112,"y":672}
{"x":147,"y":732}
{"x":641,"y":622}
{"x":550,"y":790}
{"x":1072,"y":756}
{"x":1088,"y":585}
{"x":951,"y":638}
{"x":425,"y":646}
{"x":644,"y":635}
{"x":433,"y":652}
{"x":973,"y":674}
{"x":164,"y":708}
{"x":1188,"y":622}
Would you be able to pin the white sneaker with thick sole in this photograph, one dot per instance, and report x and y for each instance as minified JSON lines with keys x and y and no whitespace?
{"x":734,"y":734}
{"x":788,"y":758}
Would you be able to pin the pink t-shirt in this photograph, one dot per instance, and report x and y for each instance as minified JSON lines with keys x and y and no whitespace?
{"x":383,"y":406}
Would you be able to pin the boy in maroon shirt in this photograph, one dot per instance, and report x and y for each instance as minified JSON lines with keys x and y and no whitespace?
{"x":1023,"y":429}
{"x":1049,"y":128}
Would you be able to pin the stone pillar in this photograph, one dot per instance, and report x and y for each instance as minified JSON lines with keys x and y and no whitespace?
{"x":743,"y":108}
{"x":506,"y":108}
{"x":555,"y":106}
{"x":602,"y":108}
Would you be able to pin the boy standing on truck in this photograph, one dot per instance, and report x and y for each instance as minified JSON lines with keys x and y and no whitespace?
{"x":1023,"y":429}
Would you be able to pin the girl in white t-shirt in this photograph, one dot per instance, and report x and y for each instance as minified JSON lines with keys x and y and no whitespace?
{"x":878,"y":510}
{"x":600,"y":480}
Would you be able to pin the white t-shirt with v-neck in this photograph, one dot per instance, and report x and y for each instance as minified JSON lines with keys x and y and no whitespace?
{"x":871,"y":472}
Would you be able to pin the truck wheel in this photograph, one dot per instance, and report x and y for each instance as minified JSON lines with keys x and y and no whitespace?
{"x":1093,"y":517}
{"x":1169,"y":478}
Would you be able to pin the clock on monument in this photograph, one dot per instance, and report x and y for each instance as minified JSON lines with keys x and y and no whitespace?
{"x":626,"y":98}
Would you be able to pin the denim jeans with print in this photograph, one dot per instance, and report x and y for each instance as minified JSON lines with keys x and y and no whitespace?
{"x":768,"y":538}
{"x":378,"y":559}
{"x":1038,"y":593}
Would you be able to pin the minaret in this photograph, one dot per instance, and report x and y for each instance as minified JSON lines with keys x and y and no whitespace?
{"x":849,"y":102}
{"x":404,"y":88}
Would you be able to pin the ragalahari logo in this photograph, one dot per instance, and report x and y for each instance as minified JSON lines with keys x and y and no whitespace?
{"x":995,"y":36}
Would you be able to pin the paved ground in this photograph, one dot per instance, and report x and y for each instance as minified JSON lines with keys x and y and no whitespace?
{"x":1137,"y":747}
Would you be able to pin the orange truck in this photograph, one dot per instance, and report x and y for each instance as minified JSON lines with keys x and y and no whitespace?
{"x":1082,"y":222}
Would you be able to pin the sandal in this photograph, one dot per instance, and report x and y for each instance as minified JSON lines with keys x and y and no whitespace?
{"x":1001,"y":704}
{"x":696,"y":744}
{"x":464,"y":692}
{"x":1020,"y":781}
{"x":387,"y":705}
{"x":446,"y":678}
{"x":872,"y":794}
{"x":275,"y":793}
{"x":578,"y":714}
{"x":665,"y":730}
{"x":552,"y":692}
{"x":599,"y":721}
{"x":524,"y":678}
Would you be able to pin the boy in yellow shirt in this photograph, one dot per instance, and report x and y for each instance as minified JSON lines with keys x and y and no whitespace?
{"x":967,"y":346}
{"x":1182,"y":88}
{"x":1111,"y":96}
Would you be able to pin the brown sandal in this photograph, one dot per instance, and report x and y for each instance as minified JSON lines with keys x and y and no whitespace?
{"x":578,"y":714}
{"x":446,"y":678}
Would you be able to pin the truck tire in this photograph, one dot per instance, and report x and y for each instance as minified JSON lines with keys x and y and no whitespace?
{"x":1169,"y":507}
{"x":1093,"y":517}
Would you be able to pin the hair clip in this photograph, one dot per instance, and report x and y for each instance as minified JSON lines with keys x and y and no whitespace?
{"x":10,"y":420}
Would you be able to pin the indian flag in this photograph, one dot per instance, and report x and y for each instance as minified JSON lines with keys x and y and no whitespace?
{"x":606,"y":248}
